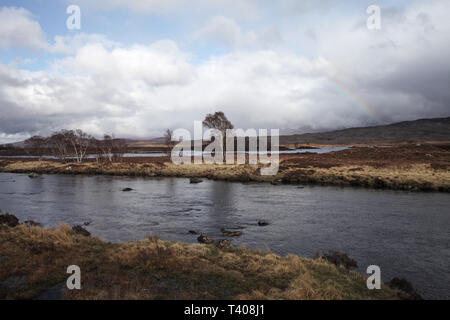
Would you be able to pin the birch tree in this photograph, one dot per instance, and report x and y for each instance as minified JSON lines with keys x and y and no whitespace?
{"x":80,"y":142}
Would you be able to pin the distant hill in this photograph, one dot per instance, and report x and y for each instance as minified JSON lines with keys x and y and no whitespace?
{"x":415,"y":131}
{"x":422,"y":130}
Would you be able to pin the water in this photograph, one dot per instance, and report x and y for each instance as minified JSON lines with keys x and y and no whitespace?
{"x":193,"y":153}
{"x":406,"y":234}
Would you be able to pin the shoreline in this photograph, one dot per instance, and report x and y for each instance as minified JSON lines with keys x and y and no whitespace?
{"x":35,"y":259}
{"x":342,"y":177}
{"x":409,"y":167}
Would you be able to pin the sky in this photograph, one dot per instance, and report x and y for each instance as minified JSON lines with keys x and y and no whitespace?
{"x":138,"y":67}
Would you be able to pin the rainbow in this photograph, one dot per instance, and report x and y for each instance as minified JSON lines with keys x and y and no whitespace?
{"x":362,"y":105}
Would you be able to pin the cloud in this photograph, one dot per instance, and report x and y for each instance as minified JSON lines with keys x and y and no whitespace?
{"x":69,"y":44}
{"x":226,"y":31}
{"x":144,"y":5}
{"x":18,"y":29}
{"x":352,"y":77}
{"x":141,"y":90}
{"x":245,"y":9}
{"x":400,"y":72}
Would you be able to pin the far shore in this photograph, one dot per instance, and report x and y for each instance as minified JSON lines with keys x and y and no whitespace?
{"x":413,"y":167}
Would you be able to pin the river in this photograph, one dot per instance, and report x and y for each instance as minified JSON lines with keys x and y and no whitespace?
{"x":405,"y":233}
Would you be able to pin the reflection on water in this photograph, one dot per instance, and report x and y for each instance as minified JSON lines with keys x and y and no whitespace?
{"x":406,"y":234}
{"x":194,"y":153}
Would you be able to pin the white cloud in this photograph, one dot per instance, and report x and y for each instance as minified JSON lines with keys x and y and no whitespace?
{"x":71,"y":43}
{"x":159,"y":64}
{"x":141,"y":90}
{"x":145,"y":5}
{"x":19,"y":29}
{"x":246,"y":9}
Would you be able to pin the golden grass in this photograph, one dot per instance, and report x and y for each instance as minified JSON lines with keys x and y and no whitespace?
{"x":410,"y":177}
{"x":156,"y":269}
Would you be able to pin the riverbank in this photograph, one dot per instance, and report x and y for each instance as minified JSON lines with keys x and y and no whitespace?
{"x":33,"y":263}
{"x":402,"y":167}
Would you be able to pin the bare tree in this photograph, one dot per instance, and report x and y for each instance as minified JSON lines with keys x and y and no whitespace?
{"x":107,"y":147}
{"x":168,"y":139}
{"x":119,"y":148}
{"x":59,"y":144}
{"x":219,"y":122}
{"x":37,"y":146}
{"x":79,"y":141}
{"x":112,"y":148}
{"x":96,"y":147}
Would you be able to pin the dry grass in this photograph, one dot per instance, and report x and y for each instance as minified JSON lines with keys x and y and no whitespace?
{"x":424,"y":167}
{"x":155,"y":269}
{"x":413,"y":177}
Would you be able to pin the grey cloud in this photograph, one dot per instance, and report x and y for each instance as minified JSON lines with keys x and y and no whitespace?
{"x":357,"y":77}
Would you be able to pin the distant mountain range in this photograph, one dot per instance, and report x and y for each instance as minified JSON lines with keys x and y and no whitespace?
{"x":422,"y":130}
{"x":437,"y":129}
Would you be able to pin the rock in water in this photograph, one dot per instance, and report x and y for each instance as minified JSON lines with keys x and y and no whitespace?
{"x":33,"y":175}
{"x":262,"y":223}
{"x":405,"y":286}
{"x":193,"y":232}
{"x":205,"y":239}
{"x":228,"y":233}
{"x":195,"y":180}
{"x":9,"y":219}
{"x":31,"y":223}
{"x":127,"y":190}
{"x":81,"y":231}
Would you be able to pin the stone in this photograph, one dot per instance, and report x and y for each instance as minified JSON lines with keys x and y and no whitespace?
{"x":205,"y":239}
{"x":9,"y":219}
{"x":228,"y":233}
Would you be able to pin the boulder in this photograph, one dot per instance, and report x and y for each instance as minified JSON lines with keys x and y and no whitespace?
{"x":405,"y":286}
{"x":9,"y":220}
{"x":205,"y":239}
{"x":228,"y":233}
